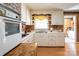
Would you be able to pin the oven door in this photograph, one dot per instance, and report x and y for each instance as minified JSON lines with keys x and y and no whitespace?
{"x":11,"y":27}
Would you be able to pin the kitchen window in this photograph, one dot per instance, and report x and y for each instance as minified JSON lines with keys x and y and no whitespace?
{"x":41,"y":21}
{"x":41,"y":24}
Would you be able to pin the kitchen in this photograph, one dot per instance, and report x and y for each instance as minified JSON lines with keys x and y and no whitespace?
{"x":45,"y":33}
{"x":23,"y":23}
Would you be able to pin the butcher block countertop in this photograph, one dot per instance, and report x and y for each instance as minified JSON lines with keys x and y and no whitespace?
{"x":24,"y":49}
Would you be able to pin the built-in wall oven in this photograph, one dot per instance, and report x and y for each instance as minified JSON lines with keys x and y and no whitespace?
{"x":11,"y":20}
{"x":11,"y":27}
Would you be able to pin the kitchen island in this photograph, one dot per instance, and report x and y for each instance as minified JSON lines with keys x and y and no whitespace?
{"x":50,"y":39}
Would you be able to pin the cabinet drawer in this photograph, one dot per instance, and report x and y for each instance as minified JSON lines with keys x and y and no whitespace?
{"x":42,"y":43}
{"x":59,"y":44}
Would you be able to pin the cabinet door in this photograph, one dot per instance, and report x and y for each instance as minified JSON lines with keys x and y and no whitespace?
{"x":37,"y":37}
{"x":30,"y":38}
{"x":60,"y":39}
{"x":57,"y":18}
{"x":51,"y":39}
{"x":41,"y":39}
{"x":44,"y":40}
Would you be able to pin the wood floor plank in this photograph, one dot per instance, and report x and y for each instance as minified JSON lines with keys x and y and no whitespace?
{"x":71,"y":49}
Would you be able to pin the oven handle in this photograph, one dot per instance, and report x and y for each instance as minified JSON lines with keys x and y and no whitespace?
{"x":12,"y":21}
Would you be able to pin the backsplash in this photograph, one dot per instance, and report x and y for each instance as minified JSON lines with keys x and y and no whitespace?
{"x":56,"y":27}
{"x":28,"y":28}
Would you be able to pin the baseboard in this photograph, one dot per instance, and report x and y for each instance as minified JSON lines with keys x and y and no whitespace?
{"x":51,"y":46}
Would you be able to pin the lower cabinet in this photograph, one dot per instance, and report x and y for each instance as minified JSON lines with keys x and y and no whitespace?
{"x":28,"y":38}
{"x":49,"y":39}
{"x":41,"y":39}
{"x":46,"y":39}
{"x":60,"y":39}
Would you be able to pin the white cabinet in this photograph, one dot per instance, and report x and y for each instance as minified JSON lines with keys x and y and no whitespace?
{"x":60,"y":39}
{"x":57,"y":18}
{"x":46,"y":39}
{"x":25,"y":14}
{"x":56,"y":39}
{"x":49,"y":39}
{"x":41,"y":39}
{"x":28,"y":38}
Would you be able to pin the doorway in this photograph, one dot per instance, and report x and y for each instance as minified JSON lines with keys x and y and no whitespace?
{"x":70,"y":28}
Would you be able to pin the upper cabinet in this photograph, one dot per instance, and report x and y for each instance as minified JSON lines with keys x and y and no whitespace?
{"x":16,"y":7}
{"x":25,"y":14}
{"x":57,"y":18}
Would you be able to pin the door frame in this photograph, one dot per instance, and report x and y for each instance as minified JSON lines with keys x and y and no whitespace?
{"x":75,"y":24}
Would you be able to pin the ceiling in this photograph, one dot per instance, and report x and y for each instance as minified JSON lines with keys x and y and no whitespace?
{"x":63,"y":6}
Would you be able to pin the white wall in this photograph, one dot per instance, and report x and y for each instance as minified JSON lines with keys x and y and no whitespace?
{"x":25,"y":14}
{"x":57,"y":15}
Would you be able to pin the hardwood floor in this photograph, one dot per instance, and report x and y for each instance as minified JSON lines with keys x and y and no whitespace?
{"x":71,"y":49}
